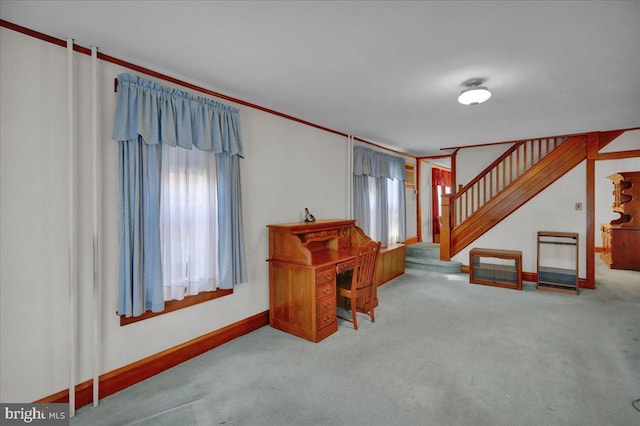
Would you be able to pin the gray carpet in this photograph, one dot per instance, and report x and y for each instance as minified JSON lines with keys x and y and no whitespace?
{"x":441,"y":352}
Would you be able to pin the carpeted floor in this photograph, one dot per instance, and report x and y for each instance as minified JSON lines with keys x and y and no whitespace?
{"x":441,"y":352}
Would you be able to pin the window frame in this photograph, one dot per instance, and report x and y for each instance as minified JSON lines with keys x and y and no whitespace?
{"x":174,"y":305}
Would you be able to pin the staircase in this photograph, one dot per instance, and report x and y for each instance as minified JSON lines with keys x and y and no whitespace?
{"x":426,"y":256}
{"x":518,"y":175}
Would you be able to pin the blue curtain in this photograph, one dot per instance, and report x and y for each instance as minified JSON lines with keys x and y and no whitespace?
{"x":147,"y":116}
{"x":372,"y":171}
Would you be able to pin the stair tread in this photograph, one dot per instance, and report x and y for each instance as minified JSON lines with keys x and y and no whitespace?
{"x":427,"y":260}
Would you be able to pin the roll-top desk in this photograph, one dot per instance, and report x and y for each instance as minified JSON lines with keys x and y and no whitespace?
{"x":304,"y":259}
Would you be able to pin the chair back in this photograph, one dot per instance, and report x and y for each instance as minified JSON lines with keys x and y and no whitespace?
{"x":365,"y":266}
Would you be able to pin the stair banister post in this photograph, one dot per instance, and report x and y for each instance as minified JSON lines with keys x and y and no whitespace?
{"x":445,"y":228}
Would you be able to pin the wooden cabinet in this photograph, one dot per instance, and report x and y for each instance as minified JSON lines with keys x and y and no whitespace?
{"x":501,"y":268}
{"x":621,"y":236}
{"x":558,"y":278}
{"x":390,"y":263}
{"x":304,"y":259}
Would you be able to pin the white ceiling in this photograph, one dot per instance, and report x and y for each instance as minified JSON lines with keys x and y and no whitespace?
{"x":387,"y":72}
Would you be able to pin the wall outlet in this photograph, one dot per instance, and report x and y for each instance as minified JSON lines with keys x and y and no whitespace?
{"x":578,"y":206}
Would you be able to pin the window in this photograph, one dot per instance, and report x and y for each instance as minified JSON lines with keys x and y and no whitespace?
{"x":188,"y":230}
{"x":394,"y":188}
{"x":180,"y":199}
{"x":379,"y":195}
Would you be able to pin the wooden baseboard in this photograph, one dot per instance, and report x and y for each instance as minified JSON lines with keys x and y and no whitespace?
{"x":131,"y":374}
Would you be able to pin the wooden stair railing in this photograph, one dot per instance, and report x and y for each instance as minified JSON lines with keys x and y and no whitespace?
{"x":522,"y":156}
{"x":515,"y":177}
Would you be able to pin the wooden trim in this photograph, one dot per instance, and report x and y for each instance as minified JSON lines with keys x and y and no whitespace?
{"x":618,"y":155}
{"x":593,"y":143}
{"x":454,"y":172}
{"x":418,"y":195}
{"x":598,"y":249}
{"x":165,"y":77}
{"x":605,"y":138}
{"x":445,"y":228}
{"x":480,"y":145}
{"x":136,"y":372}
{"x":433,"y":157}
{"x":412,"y":240}
{"x":174,"y":305}
{"x":606,"y":132}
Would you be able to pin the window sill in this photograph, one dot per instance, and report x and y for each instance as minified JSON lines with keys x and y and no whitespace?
{"x":174,"y":305}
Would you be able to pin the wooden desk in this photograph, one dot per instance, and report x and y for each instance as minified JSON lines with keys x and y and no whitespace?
{"x":304,"y":259}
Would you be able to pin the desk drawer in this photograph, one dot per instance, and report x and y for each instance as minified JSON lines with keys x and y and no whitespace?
{"x":326,"y":312}
{"x":326,"y":306}
{"x":325,"y":290}
{"x":345,"y":266}
{"x":326,"y":275}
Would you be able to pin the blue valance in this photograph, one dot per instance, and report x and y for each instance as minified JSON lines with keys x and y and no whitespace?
{"x":369,"y":162}
{"x":164,"y":115}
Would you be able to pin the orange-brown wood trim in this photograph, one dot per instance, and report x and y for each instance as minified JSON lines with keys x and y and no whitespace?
{"x":593,"y":143}
{"x":480,"y":145}
{"x":418,"y":194}
{"x":165,"y":77}
{"x":605,"y":138}
{"x":606,"y":134}
{"x":412,"y":240}
{"x":618,"y":155}
{"x":433,"y":157}
{"x":174,"y":305}
{"x":598,"y":249}
{"x":131,"y":374}
{"x":454,"y":172}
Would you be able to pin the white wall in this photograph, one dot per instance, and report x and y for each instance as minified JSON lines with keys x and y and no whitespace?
{"x":288,"y":166}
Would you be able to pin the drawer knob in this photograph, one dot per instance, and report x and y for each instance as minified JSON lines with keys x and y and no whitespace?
{"x":326,"y":290}
{"x":326,"y":305}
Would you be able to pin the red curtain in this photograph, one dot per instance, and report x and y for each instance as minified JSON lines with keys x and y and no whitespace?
{"x":440,"y":178}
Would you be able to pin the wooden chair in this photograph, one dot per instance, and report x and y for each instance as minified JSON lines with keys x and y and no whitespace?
{"x":360,"y":285}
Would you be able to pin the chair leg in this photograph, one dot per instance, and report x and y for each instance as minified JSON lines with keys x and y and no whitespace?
{"x":372,"y":315}
{"x":354,"y":314}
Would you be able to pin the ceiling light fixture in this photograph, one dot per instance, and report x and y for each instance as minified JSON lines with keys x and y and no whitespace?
{"x":474,"y":93}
